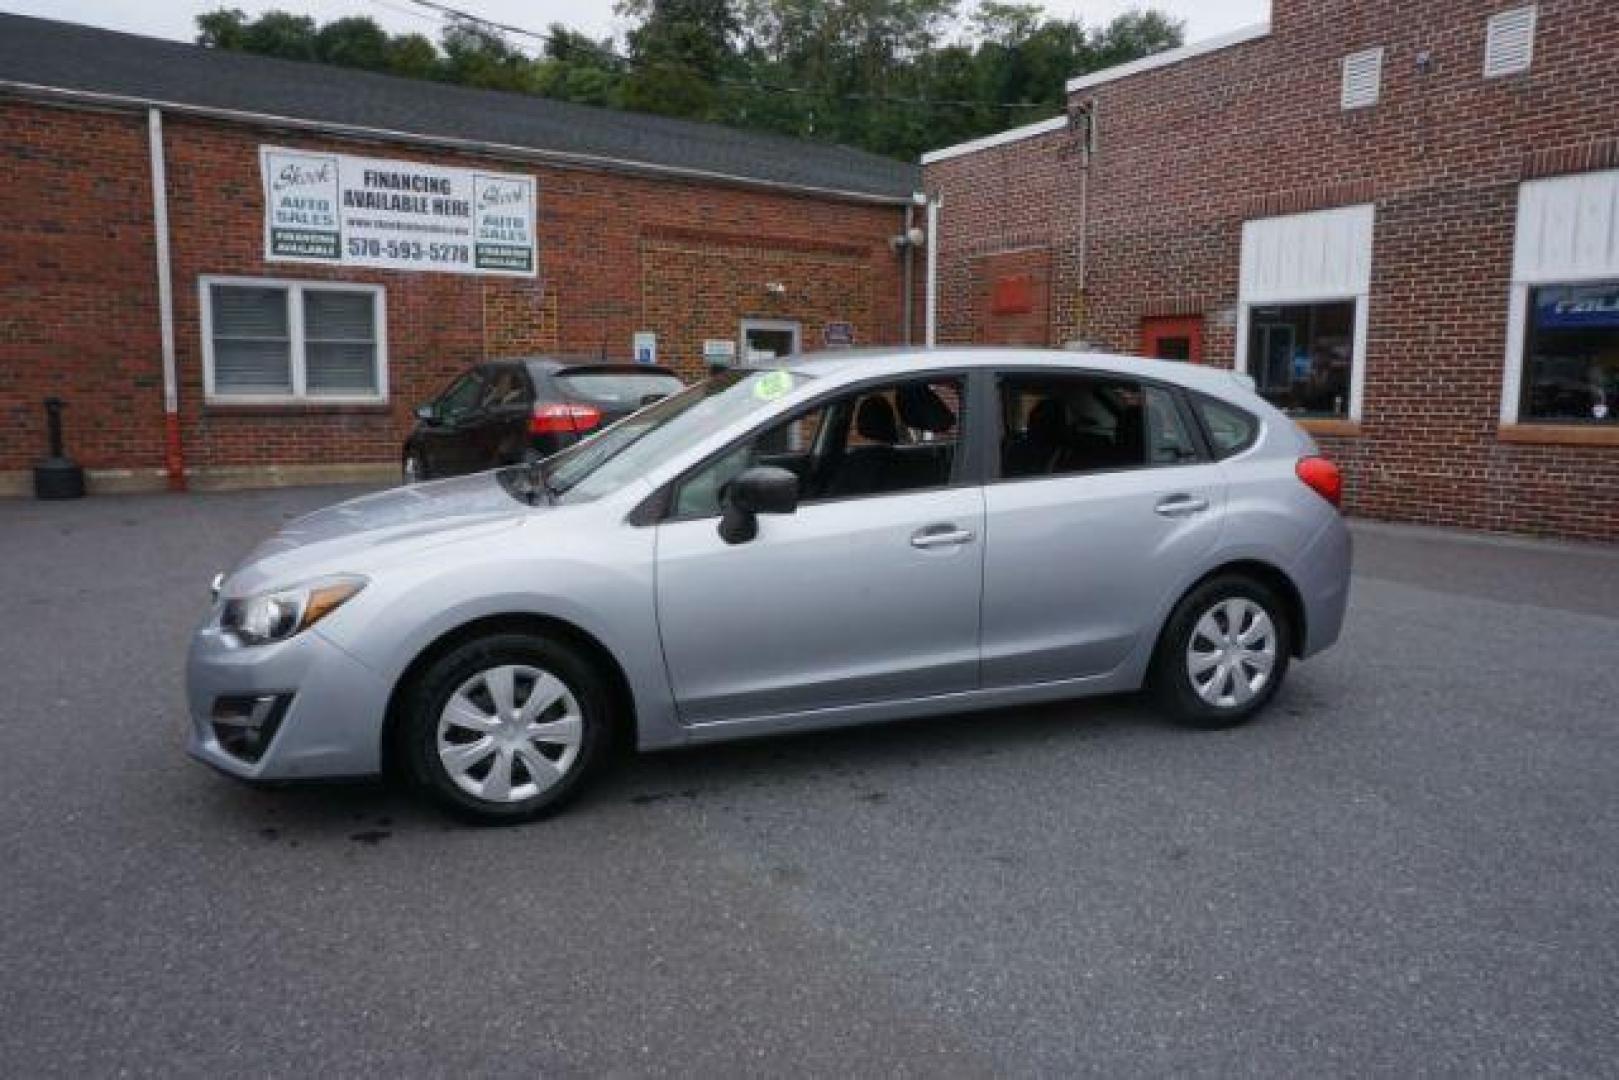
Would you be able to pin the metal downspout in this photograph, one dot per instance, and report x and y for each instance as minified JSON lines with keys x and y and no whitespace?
{"x":908,"y":287}
{"x":931,"y":327}
{"x":173,"y":452}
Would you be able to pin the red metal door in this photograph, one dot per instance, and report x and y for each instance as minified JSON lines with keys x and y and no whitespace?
{"x":1173,"y":337}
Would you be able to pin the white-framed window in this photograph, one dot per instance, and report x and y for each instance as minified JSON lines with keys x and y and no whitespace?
{"x":1303,"y":309}
{"x":270,"y":340}
{"x":1562,"y":351}
{"x":1362,"y":79}
{"x":1509,"y":42}
{"x":767,"y":339}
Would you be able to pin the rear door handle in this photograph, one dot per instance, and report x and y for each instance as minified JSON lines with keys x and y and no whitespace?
{"x":1181,"y":505}
{"x":940,"y":536}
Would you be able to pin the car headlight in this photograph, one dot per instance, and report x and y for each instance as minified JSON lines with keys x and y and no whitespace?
{"x":283,"y":613}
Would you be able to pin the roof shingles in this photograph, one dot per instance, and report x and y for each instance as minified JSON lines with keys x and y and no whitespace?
{"x":69,"y":57}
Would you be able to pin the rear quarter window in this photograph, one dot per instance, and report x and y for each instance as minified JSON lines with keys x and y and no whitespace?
{"x":618,"y":390}
{"x":1231,"y":430}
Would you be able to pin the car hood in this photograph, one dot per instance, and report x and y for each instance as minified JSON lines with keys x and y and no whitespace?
{"x":372,"y":529}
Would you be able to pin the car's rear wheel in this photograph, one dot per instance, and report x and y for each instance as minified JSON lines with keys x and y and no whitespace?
{"x":506,"y":728}
{"x":1223,"y":653}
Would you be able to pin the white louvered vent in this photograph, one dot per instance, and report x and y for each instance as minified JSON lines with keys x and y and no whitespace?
{"x":1363,"y":78}
{"x":1509,"y":42}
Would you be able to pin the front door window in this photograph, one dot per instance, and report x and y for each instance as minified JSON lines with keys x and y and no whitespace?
{"x":876,"y":441}
{"x":462,"y":397}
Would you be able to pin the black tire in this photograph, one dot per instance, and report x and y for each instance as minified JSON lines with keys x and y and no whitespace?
{"x":1170,"y":680}
{"x":425,"y":702}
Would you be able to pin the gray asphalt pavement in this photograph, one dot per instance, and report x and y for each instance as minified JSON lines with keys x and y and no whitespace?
{"x":1409,"y":865}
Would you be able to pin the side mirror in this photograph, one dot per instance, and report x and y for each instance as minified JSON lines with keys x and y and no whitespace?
{"x":763,"y":489}
{"x":427,"y":414}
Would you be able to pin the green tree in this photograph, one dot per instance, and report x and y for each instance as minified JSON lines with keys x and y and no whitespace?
{"x":354,"y":42}
{"x":475,"y":55}
{"x":578,"y":68}
{"x":275,"y":33}
{"x":1131,"y":36}
{"x":1006,"y":23}
{"x":893,"y":76}
{"x":680,"y":50}
{"x":278,"y":33}
{"x":223,"y":28}
{"x":413,"y":56}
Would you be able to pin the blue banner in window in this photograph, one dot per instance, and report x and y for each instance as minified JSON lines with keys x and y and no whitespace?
{"x":1584,"y":308}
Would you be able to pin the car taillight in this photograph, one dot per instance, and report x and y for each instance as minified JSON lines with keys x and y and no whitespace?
{"x":1323,"y":478}
{"x":555,"y":419}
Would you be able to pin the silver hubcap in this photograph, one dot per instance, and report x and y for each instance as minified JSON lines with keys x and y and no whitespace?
{"x":509,"y":733}
{"x":1232,"y":652}
{"x":413,"y":469}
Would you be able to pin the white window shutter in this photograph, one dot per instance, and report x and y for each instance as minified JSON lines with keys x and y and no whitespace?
{"x":1363,"y":78}
{"x":1509,"y":42}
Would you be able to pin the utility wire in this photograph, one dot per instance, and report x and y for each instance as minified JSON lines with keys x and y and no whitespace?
{"x":447,"y":11}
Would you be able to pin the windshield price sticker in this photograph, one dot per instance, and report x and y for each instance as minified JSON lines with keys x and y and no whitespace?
{"x":772,"y":385}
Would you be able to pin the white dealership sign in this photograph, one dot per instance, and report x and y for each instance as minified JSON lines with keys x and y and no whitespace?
{"x":396,"y":215}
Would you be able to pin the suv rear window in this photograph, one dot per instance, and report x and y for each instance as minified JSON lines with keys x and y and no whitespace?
{"x":1230,"y":429}
{"x":618,"y":389}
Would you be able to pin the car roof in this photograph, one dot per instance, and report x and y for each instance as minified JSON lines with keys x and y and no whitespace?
{"x":851,"y":364}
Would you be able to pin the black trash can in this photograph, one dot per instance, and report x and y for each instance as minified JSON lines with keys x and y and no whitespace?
{"x":57,"y":476}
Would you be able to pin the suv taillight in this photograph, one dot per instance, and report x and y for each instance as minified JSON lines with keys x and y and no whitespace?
{"x":555,"y":419}
{"x":1323,"y":478}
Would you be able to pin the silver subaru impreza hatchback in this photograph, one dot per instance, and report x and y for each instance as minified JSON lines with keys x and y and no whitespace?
{"x":853,"y":537}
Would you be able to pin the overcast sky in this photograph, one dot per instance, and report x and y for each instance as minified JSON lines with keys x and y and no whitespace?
{"x":176,"y":18}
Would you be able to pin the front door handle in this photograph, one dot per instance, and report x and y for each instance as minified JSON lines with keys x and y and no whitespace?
{"x":940,"y":536}
{"x":1181,"y":505}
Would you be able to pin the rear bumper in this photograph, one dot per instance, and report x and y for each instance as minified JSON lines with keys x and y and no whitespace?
{"x":1322,"y":576}
{"x":331,"y":706}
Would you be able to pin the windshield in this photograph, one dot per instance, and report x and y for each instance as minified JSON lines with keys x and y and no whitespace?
{"x":606,"y":462}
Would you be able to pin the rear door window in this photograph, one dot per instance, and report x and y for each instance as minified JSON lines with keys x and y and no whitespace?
{"x":1231,"y":430}
{"x":1169,"y":439}
{"x":507,"y":387}
{"x":619,"y":391}
{"x":1057,"y":425}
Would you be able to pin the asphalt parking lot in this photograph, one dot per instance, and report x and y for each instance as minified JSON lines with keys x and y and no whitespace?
{"x":1410,"y":865}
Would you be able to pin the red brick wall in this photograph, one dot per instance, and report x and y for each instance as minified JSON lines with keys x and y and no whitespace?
{"x":697,"y":284}
{"x":617,"y":253}
{"x":1187,"y":152}
{"x":1012,"y":297}
{"x":1007,"y":210}
{"x":78,"y":287}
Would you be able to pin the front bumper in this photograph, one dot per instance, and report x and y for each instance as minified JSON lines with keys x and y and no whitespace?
{"x":330,"y":724}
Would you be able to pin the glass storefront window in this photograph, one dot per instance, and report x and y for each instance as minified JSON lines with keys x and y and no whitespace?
{"x":1572,"y":354}
{"x":1300,"y":355}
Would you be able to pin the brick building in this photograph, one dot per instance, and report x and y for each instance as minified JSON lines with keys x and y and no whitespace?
{"x":337,"y":244}
{"x":1401,"y":217}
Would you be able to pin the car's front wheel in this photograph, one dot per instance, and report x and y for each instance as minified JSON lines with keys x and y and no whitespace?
{"x":506,"y":728}
{"x":1223,"y":653}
